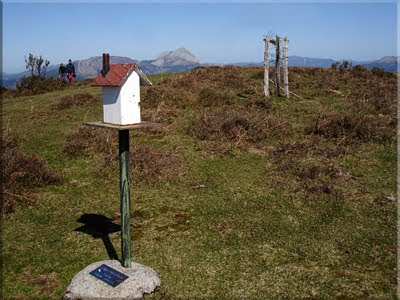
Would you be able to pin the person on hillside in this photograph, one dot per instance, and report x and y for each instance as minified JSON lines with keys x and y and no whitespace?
{"x":70,"y":71}
{"x":62,"y":70}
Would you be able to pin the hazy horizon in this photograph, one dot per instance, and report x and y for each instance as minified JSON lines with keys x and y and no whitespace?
{"x":259,"y":61}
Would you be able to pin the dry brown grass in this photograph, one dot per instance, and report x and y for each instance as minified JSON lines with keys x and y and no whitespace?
{"x":235,"y":127}
{"x":347,"y":128}
{"x":46,"y":284}
{"x":377,"y":95}
{"x":211,"y":97}
{"x":201,"y":86}
{"x":87,"y":141}
{"x":162,"y":113}
{"x":367,"y":89}
{"x":20,"y":173}
{"x":152,"y":165}
{"x":35,"y":85}
{"x":148,"y":164}
{"x":301,"y":149}
{"x":84,"y":99}
{"x":152,"y":97}
{"x":220,"y":77}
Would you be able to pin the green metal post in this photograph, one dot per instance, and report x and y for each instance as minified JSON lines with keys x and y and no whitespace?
{"x":124,"y":197}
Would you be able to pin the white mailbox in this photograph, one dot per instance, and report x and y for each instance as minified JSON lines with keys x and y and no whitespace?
{"x":121,"y":92}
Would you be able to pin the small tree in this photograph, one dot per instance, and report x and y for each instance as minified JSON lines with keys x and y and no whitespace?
{"x":30,"y":63}
{"x":41,"y":66}
{"x":36,"y":64}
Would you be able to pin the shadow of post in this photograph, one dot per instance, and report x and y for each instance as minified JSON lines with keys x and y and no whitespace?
{"x":99,"y":226}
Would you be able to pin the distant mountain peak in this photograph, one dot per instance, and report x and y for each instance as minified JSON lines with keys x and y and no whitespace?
{"x":180,"y":56}
{"x":389,"y":59}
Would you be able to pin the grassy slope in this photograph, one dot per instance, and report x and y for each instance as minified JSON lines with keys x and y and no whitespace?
{"x":252,"y":232}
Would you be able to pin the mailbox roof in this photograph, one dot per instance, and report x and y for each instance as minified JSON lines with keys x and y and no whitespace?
{"x":117,"y":75}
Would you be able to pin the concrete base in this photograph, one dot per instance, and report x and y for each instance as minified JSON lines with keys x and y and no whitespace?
{"x":142,"y":280}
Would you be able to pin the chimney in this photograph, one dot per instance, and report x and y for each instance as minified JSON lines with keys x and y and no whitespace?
{"x":106,"y":64}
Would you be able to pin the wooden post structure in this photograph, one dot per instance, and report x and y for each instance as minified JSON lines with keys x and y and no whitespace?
{"x":276,"y":42}
{"x":125,"y":198}
{"x":277,"y":67}
{"x":266,"y":66}
{"x":285,"y":67}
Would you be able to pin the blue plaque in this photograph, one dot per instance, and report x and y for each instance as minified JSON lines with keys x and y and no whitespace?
{"x":109,"y":275}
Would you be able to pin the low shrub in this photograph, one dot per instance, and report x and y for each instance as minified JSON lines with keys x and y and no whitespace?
{"x":163,"y":113}
{"x":3,"y":90}
{"x":259,"y":102}
{"x":214,"y":76}
{"x":148,"y":164}
{"x":20,"y":172}
{"x":258,"y":74}
{"x":360,"y":71}
{"x":35,"y":85}
{"x":238,"y":127}
{"x":86,"y":141}
{"x":153,"y":96}
{"x":350,"y":127}
{"x":209,"y":97}
{"x":75,"y":100}
{"x":378,"y":71}
{"x":151,"y":165}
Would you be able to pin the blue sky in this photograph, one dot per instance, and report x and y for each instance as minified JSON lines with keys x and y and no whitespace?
{"x":215,"y":33}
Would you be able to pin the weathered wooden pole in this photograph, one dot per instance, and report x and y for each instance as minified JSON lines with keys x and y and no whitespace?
{"x":124,"y":198}
{"x":285,"y":67}
{"x":266,"y":66}
{"x":277,"y":67}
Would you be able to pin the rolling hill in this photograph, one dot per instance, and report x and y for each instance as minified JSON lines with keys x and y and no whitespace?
{"x":235,"y":197}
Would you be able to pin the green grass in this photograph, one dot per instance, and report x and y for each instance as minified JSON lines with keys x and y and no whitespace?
{"x":253,"y":232}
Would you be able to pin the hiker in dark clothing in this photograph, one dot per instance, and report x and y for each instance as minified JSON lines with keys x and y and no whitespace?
{"x":70,"y":71}
{"x":62,"y":70}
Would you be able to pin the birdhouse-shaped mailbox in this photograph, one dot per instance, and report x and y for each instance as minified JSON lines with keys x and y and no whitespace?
{"x":121,"y":92}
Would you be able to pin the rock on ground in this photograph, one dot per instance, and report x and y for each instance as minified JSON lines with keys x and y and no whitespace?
{"x":142,"y":280}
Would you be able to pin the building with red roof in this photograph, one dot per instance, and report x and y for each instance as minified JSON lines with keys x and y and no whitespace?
{"x":121,"y":92}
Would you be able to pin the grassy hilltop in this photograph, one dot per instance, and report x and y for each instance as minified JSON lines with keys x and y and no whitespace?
{"x":237,"y":196}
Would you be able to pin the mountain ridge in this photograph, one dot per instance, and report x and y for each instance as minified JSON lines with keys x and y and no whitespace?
{"x":181,"y":60}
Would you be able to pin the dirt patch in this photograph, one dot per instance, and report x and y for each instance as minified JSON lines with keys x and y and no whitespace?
{"x":310,"y":166}
{"x":75,"y":101}
{"x":47,"y":284}
{"x":20,"y":173}
{"x":302,"y":149}
{"x":316,"y":177}
{"x":179,"y":222}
